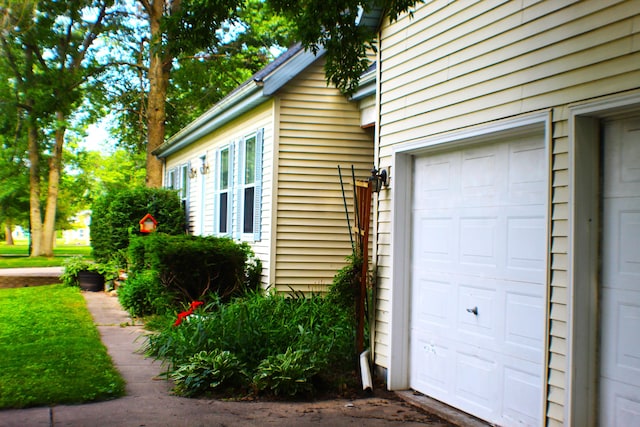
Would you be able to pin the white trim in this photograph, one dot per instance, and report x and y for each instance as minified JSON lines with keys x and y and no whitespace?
{"x":582,"y":335}
{"x":398,"y":370}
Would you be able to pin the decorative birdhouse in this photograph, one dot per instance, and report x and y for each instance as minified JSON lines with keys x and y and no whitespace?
{"x":148,"y":224}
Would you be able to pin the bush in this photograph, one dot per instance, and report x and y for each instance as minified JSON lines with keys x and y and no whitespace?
{"x":195,"y":265}
{"x":289,"y":373}
{"x":273,"y":336}
{"x":206,"y":371}
{"x":141,"y":295}
{"x":116,"y":215}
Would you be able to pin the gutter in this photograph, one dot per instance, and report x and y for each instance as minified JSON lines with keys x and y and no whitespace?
{"x":241,"y":101}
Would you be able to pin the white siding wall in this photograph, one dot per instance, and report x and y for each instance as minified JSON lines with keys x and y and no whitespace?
{"x":260,"y":117}
{"x":458,"y":64}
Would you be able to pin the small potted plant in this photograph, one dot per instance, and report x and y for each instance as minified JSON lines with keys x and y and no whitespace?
{"x":88,"y":275}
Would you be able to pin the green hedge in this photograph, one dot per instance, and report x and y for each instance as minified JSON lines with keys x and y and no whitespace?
{"x":196,"y":265}
{"x":116,"y":215}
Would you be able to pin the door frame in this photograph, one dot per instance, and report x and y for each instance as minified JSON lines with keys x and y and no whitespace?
{"x":583,"y":365}
{"x":402,"y":155}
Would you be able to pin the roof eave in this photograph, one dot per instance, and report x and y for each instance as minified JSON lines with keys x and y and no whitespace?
{"x":246,"y":97}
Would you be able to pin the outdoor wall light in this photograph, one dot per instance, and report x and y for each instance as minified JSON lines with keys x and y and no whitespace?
{"x":193,"y":172}
{"x":378,"y":179}
{"x":204,"y":168}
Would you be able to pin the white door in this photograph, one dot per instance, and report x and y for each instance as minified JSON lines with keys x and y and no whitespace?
{"x":620,"y":329}
{"x":478,"y":269}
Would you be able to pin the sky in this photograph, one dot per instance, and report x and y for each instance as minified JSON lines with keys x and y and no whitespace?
{"x":98,"y":138}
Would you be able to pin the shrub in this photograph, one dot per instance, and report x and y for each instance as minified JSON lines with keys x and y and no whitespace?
{"x":272,"y":335}
{"x":195,"y":265}
{"x":206,"y":371}
{"x":288,"y":373}
{"x":141,"y":295}
{"x":116,"y":215}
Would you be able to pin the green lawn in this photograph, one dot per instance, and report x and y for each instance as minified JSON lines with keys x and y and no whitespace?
{"x":50,"y":350}
{"x":17,"y":255}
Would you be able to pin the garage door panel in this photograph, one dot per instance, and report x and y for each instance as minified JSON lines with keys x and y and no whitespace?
{"x":522,"y":393}
{"x":622,"y":159}
{"x":620,"y":404}
{"x":477,"y":313}
{"x":434,"y":303}
{"x":480,"y":177}
{"x":526,"y":172}
{"x":435,"y":237}
{"x":525,"y":247}
{"x":434,"y":179}
{"x":524,"y":326}
{"x":621,"y":268}
{"x":621,"y":361}
{"x":436,"y":367}
{"x":477,"y":379}
{"x":479,"y":240}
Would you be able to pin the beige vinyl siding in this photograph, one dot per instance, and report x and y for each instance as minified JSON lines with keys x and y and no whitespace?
{"x":259,"y":117}
{"x":319,"y":129}
{"x":459,"y":64}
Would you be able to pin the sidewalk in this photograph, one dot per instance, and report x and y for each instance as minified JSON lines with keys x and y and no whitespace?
{"x":149,"y":403}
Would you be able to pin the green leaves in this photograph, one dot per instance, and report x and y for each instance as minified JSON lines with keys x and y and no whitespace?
{"x":286,"y":345}
{"x":206,"y":371}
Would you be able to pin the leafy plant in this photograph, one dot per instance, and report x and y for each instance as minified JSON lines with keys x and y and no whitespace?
{"x":142,"y":294}
{"x":76,"y":264}
{"x":288,"y":373}
{"x":206,"y":371}
{"x":260,"y":327}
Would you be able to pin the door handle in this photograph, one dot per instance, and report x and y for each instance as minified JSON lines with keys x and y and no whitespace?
{"x":473,"y":310}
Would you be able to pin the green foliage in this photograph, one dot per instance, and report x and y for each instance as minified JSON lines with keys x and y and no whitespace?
{"x":256,"y":329}
{"x":346,"y":284}
{"x":289,"y":373}
{"x":76,"y":264}
{"x":333,"y":24}
{"x":206,"y":371}
{"x":50,"y":350}
{"x":116,"y":215}
{"x":142,"y":295}
{"x":195,"y":265}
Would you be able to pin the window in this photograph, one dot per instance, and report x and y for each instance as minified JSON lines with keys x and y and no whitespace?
{"x":171,"y":179}
{"x":249,"y":184}
{"x":184,"y":182}
{"x":223,"y":202}
{"x":238,"y":188}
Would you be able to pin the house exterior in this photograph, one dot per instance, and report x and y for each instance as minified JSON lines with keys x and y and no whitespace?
{"x":79,"y":233}
{"x":508,"y":240}
{"x":261,"y":166}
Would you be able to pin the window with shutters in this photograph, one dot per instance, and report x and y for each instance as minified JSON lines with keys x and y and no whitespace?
{"x":223,"y":201}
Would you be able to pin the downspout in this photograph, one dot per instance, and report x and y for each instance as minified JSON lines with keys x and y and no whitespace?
{"x":374,"y":249}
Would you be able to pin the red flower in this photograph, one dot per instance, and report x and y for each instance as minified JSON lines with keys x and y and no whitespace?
{"x":185,"y":314}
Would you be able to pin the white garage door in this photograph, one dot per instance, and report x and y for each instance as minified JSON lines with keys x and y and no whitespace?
{"x":478,"y":274}
{"x":620,"y":332}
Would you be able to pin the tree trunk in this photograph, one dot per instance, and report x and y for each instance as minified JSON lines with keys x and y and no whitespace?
{"x":35,"y":214}
{"x":7,"y":233}
{"x":159,"y":70}
{"x":49,"y":229}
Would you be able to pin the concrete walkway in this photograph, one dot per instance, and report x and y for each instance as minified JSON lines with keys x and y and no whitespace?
{"x":149,"y":402}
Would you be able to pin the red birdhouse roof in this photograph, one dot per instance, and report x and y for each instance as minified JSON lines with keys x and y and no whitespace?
{"x":148,"y":216}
